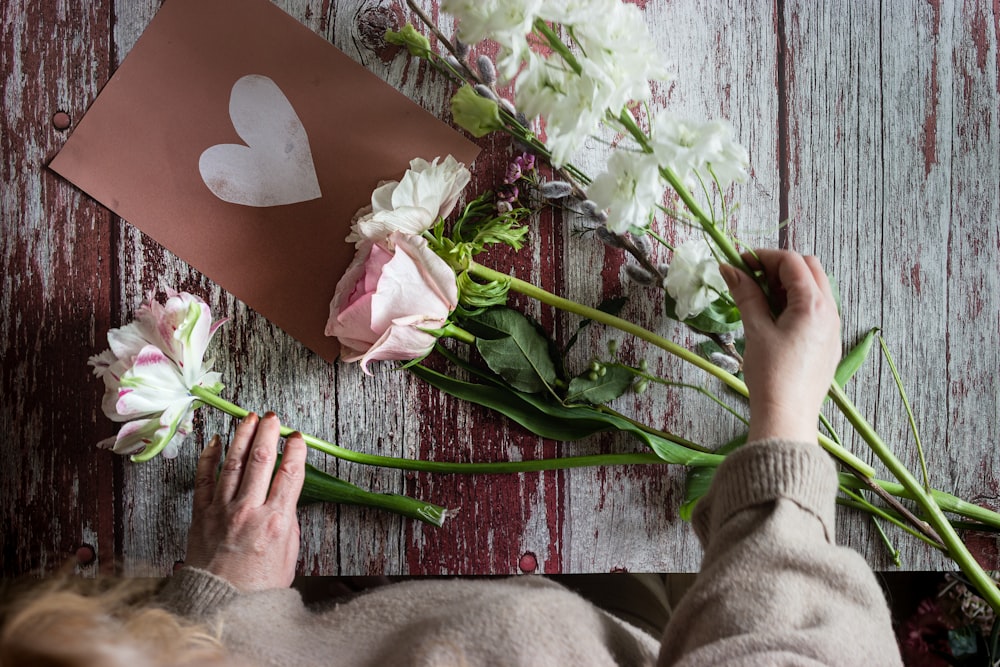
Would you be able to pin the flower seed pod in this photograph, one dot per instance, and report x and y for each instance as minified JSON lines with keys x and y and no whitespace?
{"x":612,"y":347}
{"x":461,"y":48}
{"x":508,"y":107}
{"x":639,"y":275}
{"x":555,"y":189}
{"x":725,"y":362}
{"x":589,"y":208}
{"x":727,"y":338}
{"x":484,"y":91}
{"x":522,"y":119}
{"x":487,"y":71}
{"x":663,"y":268}
{"x":453,"y":61}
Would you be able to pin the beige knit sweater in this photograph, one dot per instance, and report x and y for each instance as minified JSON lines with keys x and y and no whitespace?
{"x":774,"y":590}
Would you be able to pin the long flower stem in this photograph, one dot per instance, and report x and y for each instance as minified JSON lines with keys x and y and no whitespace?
{"x":935,"y":517}
{"x":730,"y":380}
{"x":208,"y":398}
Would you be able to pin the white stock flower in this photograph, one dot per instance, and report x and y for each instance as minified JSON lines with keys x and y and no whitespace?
{"x":629,"y":189}
{"x":693,"y":278}
{"x":427,"y":192}
{"x":689,"y":147}
{"x":503,"y":21}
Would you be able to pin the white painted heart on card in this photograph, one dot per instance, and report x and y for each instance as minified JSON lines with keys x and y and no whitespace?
{"x":275,"y":167}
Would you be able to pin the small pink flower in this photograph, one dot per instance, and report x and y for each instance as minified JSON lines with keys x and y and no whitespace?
{"x":393,"y":293}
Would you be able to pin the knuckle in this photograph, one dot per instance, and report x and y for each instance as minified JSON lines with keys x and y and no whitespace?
{"x":204,"y":481}
{"x":261,"y":455}
{"x":232,"y":465}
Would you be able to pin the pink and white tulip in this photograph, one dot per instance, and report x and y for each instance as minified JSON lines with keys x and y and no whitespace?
{"x":148,"y":372}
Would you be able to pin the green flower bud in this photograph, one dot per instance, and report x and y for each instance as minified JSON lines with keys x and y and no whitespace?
{"x":612,"y":347}
{"x":640,"y":387}
{"x":415,"y":43}
{"x":474,"y":113}
{"x":592,"y":376}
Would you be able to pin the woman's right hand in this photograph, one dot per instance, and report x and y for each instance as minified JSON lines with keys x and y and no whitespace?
{"x":790,"y":359}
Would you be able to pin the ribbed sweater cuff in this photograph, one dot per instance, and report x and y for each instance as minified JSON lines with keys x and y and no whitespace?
{"x":195,"y":593}
{"x":764,"y":471}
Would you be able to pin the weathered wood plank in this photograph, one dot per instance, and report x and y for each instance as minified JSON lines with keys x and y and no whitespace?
{"x":887,"y":117}
{"x":57,"y":489}
{"x":723,"y":60}
{"x":881,"y":183}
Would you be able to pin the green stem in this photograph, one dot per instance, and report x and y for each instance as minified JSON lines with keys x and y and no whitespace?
{"x":684,"y":442}
{"x":935,"y":517}
{"x":452,"y":330}
{"x":945,"y":501}
{"x":718,"y":236}
{"x":558,"y":45}
{"x":219,"y":403}
{"x":665,"y":344}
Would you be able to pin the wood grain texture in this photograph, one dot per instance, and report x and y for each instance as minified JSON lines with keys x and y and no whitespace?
{"x":57,"y":489}
{"x":892,"y":145}
{"x":873,"y":128}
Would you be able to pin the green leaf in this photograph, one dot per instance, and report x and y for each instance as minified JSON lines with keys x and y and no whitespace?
{"x":719,"y":317}
{"x":549,"y":419}
{"x":319,"y":486}
{"x":853,"y":360}
{"x":615,"y":382}
{"x":514,"y":349}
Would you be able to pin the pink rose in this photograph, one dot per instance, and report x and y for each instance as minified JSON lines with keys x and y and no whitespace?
{"x":392,"y":294}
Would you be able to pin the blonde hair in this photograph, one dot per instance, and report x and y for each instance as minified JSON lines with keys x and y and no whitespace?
{"x":72,"y":622}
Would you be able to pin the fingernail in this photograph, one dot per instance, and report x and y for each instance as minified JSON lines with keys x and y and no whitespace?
{"x":295,"y":434}
{"x":251,"y":417}
{"x":730,"y":274}
{"x":214,"y":441}
{"x":270,"y":415}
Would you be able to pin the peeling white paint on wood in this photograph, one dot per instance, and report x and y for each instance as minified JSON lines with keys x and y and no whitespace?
{"x":874,"y":129}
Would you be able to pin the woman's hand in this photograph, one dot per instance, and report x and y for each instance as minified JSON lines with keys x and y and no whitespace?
{"x":244,"y":527}
{"x":790,"y":360}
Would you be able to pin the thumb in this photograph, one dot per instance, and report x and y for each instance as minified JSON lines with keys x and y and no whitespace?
{"x":749,"y":297}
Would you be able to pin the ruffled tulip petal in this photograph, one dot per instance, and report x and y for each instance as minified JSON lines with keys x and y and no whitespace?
{"x":152,"y":384}
{"x":167,"y":427}
{"x":134,"y":436}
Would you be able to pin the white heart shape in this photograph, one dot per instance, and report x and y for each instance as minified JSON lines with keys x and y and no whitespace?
{"x":275,"y":167}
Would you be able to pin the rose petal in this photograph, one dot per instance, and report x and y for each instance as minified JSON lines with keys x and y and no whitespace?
{"x":403,"y":340}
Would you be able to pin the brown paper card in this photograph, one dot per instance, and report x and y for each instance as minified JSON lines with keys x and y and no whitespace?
{"x":164,"y":146}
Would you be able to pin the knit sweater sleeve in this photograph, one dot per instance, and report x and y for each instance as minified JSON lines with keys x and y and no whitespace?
{"x":774,"y":587}
{"x":195,"y":594}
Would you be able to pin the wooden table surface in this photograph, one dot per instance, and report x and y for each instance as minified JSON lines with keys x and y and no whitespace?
{"x":873,"y":129}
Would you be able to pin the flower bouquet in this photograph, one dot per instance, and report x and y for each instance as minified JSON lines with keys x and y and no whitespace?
{"x":576,"y":70}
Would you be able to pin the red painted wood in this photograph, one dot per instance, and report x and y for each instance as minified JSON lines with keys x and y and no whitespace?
{"x":58,"y":287}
